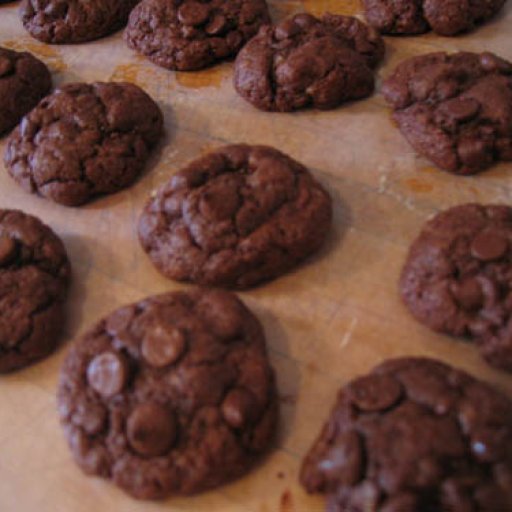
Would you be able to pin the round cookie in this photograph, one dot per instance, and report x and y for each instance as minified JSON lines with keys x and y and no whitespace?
{"x":24,"y":80}
{"x":457,"y":277}
{"x":447,"y":18}
{"x":171,"y":395}
{"x":191,"y":34}
{"x":84,"y":140}
{"x":454,"y":109}
{"x":235,"y":217}
{"x":414,"y":435}
{"x":34,"y":277}
{"x":74,"y":21}
{"x":306,"y":61}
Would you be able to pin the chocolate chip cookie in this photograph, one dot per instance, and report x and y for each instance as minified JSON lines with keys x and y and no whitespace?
{"x":235,"y":217}
{"x":193,"y":34}
{"x":458,"y":277}
{"x":34,"y":277}
{"x":414,"y":435}
{"x":171,"y":395}
{"x":454,"y":109}
{"x":24,"y":80}
{"x":446,"y":18}
{"x":74,"y":21}
{"x":84,"y":140}
{"x":306,"y":61}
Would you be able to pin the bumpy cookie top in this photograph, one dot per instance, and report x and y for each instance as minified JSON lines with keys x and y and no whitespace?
{"x":84,"y":140}
{"x":235,"y":217}
{"x":74,"y":21}
{"x":447,"y":18}
{"x":458,"y":277}
{"x":455,"y":109}
{"x":34,"y":275}
{"x":308,"y":61}
{"x":171,"y":395}
{"x":193,"y":34}
{"x":24,"y":80}
{"x":415,"y":435}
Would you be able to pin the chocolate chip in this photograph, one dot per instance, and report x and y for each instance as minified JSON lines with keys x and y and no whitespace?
{"x":119,"y":321}
{"x":7,"y":249}
{"x":107,"y":373}
{"x":151,"y":429}
{"x":489,"y":245}
{"x":193,"y":13}
{"x":286,"y":29}
{"x":216,"y":25}
{"x":487,"y":444}
{"x":238,"y":407}
{"x":401,"y":503}
{"x":163,"y":345}
{"x":92,"y":418}
{"x":473,"y":152}
{"x":221,"y":201}
{"x":492,"y":63}
{"x":458,"y":110}
{"x":468,"y":293}
{"x":374,"y":392}
{"x":343,"y":461}
{"x":6,"y":66}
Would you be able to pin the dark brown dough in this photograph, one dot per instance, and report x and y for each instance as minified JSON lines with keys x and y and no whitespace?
{"x":24,"y":80}
{"x":171,"y":395}
{"x":235,"y":218}
{"x":191,"y":34}
{"x":414,"y":435}
{"x":454,"y":109}
{"x":84,"y":140}
{"x":74,"y":21}
{"x":445,"y":17}
{"x":307,"y":61}
{"x":34,"y":277}
{"x":458,"y":277}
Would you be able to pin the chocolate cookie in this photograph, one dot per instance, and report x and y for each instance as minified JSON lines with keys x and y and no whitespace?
{"x":454,"y":109}
{"x":84,"y":140}
{"x":414,"y":435}
{"x":306,"y":61}
{"x":235,"y":218}
{"x":172,"y":395}
{"x":458,"y":277}
{"x":446,"y":18}
{"x":34,"y":277}
{"x":193,"y":34}
{"x":74,"y":21}
{"x":24,"y":80}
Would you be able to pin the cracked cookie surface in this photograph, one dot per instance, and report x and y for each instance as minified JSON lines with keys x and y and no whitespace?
{"x":170,"y":395}
{"x":307,"y":61}
{"x":414,"y":435}
{"x":235,"y":217}
{"x":457,"y":278}
{"x":193,"y":34}
{"x":24,"y":80}
{"x":74,"y":21}
{"x":34,"y":277}
{"x":455,"y":109}
{"x":445,"y":17}
{"x":84,"y":140}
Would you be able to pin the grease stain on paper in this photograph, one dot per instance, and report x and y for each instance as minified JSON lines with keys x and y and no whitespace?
{"x":319,"y":7}
{"x":46,"y":53}
{"x":211,"y":77}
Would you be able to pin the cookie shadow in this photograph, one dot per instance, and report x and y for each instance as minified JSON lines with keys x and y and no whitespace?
{"x":341,"y":222}
{"x":287,"y":375}
{"x":80,"y":256}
